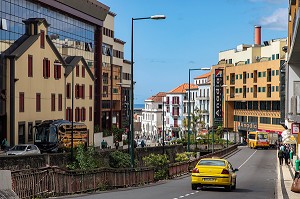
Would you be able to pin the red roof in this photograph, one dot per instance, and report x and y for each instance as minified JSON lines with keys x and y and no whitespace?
{"x":183,"y":88}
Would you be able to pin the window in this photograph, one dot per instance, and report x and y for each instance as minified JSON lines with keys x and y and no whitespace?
{"x":83,"y":71}
{"x":52,"y":102}
{"x":90,"y":113}
{"x":241,"y":76}
{"x":68,"y":91}
{"x":38,"y":102}
{"x":276,"y":121}
{"x":42,"y":39}
{"x":264,"y":74}
{"x":83,"y":116}
{"x":46,"y":68}
{"x":57,"y":71}
{"x":59,"y":102}
{"x":82,"y":95}
{"x":277,"y":72}
{"x":77,"y":70}
{"x":259,"y":74}
{"x":91,"y":92}
{"x":262,"y":105}
{"x":69,"y":114}
{"x":21,"y":102}
{"x":236,"y":76}
{"x":263,"y":89}
{"x":265,"y":120}
{"x":30,"y":72}
{"x":277,"y":87}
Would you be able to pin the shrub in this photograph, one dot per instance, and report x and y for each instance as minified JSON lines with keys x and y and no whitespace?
{"x":160,"y":164}
{"x":183,"y":157}
{"x":84,"y":159}
{"x":118,"y":159}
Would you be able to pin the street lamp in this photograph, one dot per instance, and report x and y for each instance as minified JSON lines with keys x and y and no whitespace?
{"x":155,"y":17}
{"x":225,"y":86}
{"x":163,"y":126}
{"x":189,"y":105}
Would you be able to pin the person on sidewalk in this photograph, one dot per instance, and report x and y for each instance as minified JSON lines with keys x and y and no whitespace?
{"x":286,"y":156}
{"x":280,"y":157}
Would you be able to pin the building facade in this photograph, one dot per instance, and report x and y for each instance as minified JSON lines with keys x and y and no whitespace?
{"x":152,"y":117}
{"x":251,"y":86}
{"x":176,"y":109}
{"x":203,"y":97}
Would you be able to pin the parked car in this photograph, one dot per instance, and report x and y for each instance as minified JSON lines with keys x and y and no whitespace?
{"x":24,"y":149}
{"x":214,"y":172}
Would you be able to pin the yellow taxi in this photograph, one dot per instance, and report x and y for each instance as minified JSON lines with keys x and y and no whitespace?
{"x":214,"y":172}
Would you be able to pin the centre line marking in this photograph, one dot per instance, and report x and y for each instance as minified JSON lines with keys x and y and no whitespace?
{"x":248,"y":159}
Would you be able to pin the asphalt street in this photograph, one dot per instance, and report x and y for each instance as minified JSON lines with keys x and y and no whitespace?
{"x":255,"y":179}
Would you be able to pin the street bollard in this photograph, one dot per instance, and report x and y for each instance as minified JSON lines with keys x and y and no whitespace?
{"x":297,"y":162}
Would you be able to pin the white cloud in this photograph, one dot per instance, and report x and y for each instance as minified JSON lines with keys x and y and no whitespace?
{"x":278,"y":20}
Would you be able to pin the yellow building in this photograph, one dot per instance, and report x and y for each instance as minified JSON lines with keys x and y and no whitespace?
{"x":39,"y":84}
{"x":250,"y":89}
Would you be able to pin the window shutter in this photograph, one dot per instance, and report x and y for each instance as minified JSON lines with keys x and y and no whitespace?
{"x":83,"y":71}
{"x":59,"y":71}
{"x":48,"y":68}
{"x":55,"y":72}
{"x":83,"y":91}
{"x":44,"y":68}
{"x":91,"y":92}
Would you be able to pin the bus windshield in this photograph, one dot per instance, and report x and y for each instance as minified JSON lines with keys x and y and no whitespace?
{"x":45,"y":133}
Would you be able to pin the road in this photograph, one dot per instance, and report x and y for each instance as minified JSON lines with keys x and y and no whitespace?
{"x":255,"y":179}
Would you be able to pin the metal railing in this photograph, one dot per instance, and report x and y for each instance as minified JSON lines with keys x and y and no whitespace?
{"x":178,"y":169}
{"x":54,"y":181}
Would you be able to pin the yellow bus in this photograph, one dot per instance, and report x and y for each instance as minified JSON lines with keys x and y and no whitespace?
{"x":258,"y":139}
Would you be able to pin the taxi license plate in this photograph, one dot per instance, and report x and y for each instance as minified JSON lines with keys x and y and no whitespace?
{"x":209,"y":179}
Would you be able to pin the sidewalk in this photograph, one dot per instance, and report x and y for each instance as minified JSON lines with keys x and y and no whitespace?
{"x":285,"y":176}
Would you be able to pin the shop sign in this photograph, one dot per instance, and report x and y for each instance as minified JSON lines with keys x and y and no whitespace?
{"x":248,"y":126}
{"x":295,"y":128}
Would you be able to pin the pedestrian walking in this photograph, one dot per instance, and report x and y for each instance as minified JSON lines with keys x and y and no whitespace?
{"x":280,"y":157}
{"x":286,"y":156}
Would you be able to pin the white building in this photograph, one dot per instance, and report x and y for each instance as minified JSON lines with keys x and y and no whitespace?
{"x":202,"y":100}
{"x":152,"y":116}
{"x":176,"y":109}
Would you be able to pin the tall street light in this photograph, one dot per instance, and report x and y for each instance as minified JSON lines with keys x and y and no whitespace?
{"x":163,"y":126}
{"x":226,"y":109}
{"x":155,"y":17}
{"x":189,"y":105}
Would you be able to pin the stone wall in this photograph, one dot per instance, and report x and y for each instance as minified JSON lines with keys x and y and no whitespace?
{"x":62,"y":159}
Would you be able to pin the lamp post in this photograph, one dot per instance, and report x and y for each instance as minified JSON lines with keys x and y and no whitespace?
{"x":226,"y":109}
{"x":189,"y":105}
{"x":155,"y":17}
{"x":163,"y":126}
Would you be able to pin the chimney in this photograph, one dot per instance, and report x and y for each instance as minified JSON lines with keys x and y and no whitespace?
{"x":257,"y":35}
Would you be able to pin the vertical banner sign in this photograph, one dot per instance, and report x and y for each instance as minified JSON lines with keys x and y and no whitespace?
{"x":218,"y":94}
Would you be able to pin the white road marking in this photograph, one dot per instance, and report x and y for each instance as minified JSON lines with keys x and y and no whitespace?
{"x":192,"y":193}
{"x":181,"y":196}
{"x":187,"y":194}
{"x":248,"y":159}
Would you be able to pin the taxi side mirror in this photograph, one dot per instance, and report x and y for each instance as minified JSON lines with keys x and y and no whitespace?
{"x":234,"y":170}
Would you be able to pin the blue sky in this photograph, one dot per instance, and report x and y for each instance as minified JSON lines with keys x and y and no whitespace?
{"x":191,"y":36}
